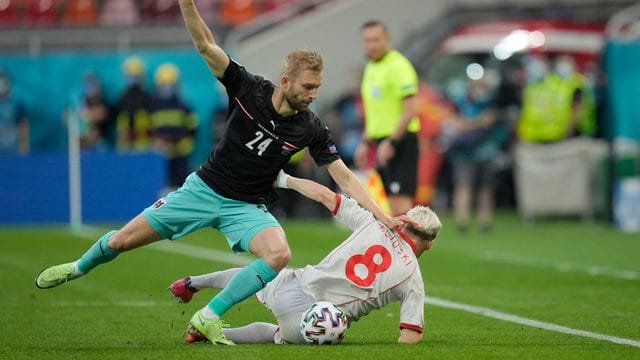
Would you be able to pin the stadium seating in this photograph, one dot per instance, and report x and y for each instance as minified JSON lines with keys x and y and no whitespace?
{"x":160,"y":10}
{"x":209,"y":11}
{"x":270,"y":5}
{"x":42,"y":12}
{"x":238,"y":12}
{"x":80,"y":12}
{"x":119,"y":12}
{"x":14,"y":13}
{"x":8,"y":12}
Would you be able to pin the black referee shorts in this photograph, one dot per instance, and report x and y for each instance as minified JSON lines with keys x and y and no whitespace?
{"x":400,"y":176}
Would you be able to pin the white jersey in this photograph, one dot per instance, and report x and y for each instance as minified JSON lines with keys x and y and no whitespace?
{"x":375,"y":266}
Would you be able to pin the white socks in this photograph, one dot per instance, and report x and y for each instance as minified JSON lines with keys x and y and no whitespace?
{"x":77,"y":271}
{"x":208,"y":314}
{"x":214,"y":280}
{"x":257,"y":332}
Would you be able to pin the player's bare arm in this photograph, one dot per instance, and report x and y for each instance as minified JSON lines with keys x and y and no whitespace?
{"x":408,"y":336}
{"x":350,"y":184}
{"x":309,"y":189}
{"x":203,"y":39}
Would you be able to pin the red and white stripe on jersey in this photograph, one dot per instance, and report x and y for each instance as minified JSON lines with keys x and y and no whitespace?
{"x":334,"y":212}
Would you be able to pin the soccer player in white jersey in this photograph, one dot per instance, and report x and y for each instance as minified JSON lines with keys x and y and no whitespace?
{"x":374,"y":267}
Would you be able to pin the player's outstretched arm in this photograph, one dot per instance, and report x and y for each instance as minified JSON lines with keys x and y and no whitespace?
{"x":309,"y":189}
{"x":203,"y":39}
{"x":351,"y":185}
{"x":408,"y":336}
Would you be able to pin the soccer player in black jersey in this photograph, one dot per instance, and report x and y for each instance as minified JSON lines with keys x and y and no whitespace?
{"x":266,"y":125}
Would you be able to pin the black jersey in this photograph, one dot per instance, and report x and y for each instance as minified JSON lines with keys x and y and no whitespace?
{"x":257,"y":142}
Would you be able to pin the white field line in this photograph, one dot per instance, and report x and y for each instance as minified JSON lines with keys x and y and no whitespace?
{"x":124,"y":303}
{"x":592,"y":270}
{"x":525,"y":321}
{"x":237,"y":260}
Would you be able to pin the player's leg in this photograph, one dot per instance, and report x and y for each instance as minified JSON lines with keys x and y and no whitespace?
{"x":179,"y":213}
{"x":257,"y":332}
{"x":401,"y":176}
{"x":183,"y":289}
{"x":400,"y":204}
{"x":273,"y":251}
{"x":462,"y":193}
{"x":287,"y":300}
{"x":290,"y":327}
{"x":248,"y":227}
{"x":486,"y":201}
{"x":134,"y":234}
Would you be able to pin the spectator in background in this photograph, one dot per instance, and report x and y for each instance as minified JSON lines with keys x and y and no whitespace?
{"x":238,"y":12}
{"x":347,"y":118}
{"x":161,"y":10}
{"x":41,"y":13}
{"x":218,"y":123}
{"x":173,"y":124}
{"x":119,"y":12}
{"x":14,"y":127}
{"x":559,"y":106}
{"x":94,"y":113}
{"x":132,"y":109}
{"x":478,"y":140}
{"x":350,"y":133}
{"x":80,"y":12}
{"x":9,"y":10}
{"x":271,"y":5}
{"x":389,"y":88}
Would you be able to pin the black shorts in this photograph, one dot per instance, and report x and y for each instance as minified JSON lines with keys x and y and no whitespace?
{"x":400,"y":176}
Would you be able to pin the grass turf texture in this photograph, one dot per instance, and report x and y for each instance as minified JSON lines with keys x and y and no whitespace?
{"x":544,"y":271}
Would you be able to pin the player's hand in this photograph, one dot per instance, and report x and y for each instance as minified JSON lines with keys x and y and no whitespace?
{"x":392,"y":223}
{"x":398,"y":221}
{"x":406,"y":219}
{"x":386,"y":151}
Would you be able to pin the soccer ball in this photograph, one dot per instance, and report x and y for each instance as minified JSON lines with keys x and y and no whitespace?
{"x":323,"y":324}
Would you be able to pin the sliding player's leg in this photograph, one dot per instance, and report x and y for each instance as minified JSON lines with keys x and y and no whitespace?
{"x":183,"y":289}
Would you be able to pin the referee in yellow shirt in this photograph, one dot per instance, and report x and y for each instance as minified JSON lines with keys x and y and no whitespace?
{"x":389,"y":88}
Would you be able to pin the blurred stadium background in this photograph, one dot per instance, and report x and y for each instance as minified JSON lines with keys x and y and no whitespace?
{"x":564,"y":247}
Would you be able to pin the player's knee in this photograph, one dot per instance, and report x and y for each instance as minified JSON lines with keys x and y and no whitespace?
{"x":279,"y":258}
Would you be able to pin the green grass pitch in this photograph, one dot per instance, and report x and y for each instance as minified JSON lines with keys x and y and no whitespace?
{"x":568,"y":273}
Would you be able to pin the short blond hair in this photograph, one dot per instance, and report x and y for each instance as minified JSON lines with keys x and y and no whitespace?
{"x":302,"y":59}
{"x":428,"y":221}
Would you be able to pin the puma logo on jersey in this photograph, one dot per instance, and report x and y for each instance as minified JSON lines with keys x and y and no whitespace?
{"x":273,"y":124}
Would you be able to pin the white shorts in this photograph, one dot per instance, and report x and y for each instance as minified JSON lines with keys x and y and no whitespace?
{"x":287,"y":301}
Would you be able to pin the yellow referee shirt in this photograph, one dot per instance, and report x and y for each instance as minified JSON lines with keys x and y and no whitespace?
{"x":385,"y":83}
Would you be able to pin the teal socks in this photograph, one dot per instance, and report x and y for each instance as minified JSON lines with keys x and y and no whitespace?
{"x":243,"y":284}
{"x":98,"y":254}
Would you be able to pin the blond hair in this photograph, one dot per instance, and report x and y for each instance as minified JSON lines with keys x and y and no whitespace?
{"x":428,"y":221}
{"x":302,"y":59}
